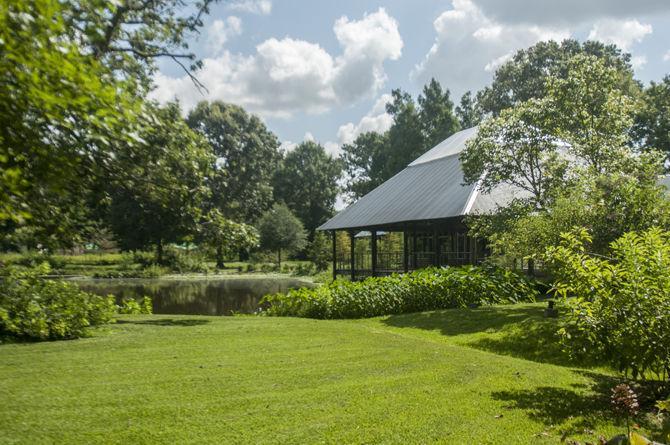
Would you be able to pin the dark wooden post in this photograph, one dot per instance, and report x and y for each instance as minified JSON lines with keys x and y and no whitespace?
{"x":405,"y":254}
{"x":353,"y":261}
{"x":373,"y":241}
{"x":436,"y":247}
{"x":414,"y":247}
{"x":334,"y":254}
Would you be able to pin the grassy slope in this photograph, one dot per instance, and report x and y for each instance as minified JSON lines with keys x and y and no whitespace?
{"x":434,"y":377}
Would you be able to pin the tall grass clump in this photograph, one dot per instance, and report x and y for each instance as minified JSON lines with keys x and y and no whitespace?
{"x":428,"y":289}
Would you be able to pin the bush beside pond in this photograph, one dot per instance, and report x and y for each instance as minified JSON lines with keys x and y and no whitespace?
{"x":33,"y":307}
{"x":428,"y":289}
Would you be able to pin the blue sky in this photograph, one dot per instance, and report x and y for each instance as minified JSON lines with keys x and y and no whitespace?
{"x":323,"y":69}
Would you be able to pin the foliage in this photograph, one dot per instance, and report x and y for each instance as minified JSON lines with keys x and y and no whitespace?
{"x":38,"y":308}
{"x":606,"y":205}
{"x":151,"y":271}
{"x":134,"y":307}
{"x":364,"y":161}
{"x":524,"y":77}
{"x":468,"y":111}
{"x":620,"y":306}
{"x":373,"y":158}
{"x":320,"y":251}
{"x":427,"y":289}
{"x":156,"y":196}
{"x":652,"y":122}
{"x":226,"y":237}
{"x":281,"y":230}
{"x":307,"y":183}
{"x":62,"y":112}
{"x":245,"y":157}
{"x":516,"y":150}
{"x":438,"y":120}
{"x":130,"y":36}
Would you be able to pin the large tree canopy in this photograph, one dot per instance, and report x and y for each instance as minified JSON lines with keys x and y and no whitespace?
{"x":62,"y":114}
{"x":525,"y":76}
{"x":652,"y":122}
{"x":246,"y":155}
{"x":161,"y":194}
{"x":307,"y":183}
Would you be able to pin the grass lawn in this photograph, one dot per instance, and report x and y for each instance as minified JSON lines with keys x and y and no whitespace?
{"x":489,"y":375}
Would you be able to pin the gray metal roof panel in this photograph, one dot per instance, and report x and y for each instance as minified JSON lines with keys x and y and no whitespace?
{"x":429,"y":190}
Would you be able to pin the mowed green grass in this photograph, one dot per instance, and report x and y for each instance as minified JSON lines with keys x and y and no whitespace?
{"x":458,"y":376}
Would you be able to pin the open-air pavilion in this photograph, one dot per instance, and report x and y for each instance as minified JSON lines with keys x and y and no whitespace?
{"x":426,"y":202}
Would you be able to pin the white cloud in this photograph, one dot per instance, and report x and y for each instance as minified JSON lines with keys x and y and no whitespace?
{"x":220,"y":31}
{"x":622,"y":33}
{"x":638,"y":62}
{"x":666,"y":56}
{"x":332,"y":148}
{"x":289,"y":75}
{"x":287,"y":146}
{"x":309,"y":137}
{"x":263,"y":7}
{"x":469,"y":46}
{"x":377,"y":120}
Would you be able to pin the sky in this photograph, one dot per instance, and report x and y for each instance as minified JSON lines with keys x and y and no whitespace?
{"x":323,"y":69}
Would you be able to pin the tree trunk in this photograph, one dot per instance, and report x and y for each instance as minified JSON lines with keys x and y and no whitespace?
{"x":219,"y":258}
{"x":159,"y":251}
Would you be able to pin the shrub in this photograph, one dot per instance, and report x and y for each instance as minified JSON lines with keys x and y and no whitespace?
{"x":132,"y":306}
{"x":33,"y":307}
{"x":152,"y":271}
{"x":304,"y":269}
{"x":620,"y":310}
{"x":427,"y":289}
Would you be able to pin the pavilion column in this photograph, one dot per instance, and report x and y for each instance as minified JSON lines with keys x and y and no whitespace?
{"x":373,"y":240}
{"x":353,"y":261}
{"x":334,"y":233}
{"x":414,"y":247}
{"x":405,"y":256}
{"x":436,"y":247}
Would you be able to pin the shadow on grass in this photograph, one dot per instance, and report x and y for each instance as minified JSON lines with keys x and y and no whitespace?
{"x":518,"y":331}
{"x":166,"y":322}
{"x":571,"y":410}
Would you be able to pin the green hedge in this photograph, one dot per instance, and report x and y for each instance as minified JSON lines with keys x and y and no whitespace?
{"x":423,"y":290}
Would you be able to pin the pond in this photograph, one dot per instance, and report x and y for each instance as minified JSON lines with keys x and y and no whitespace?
{"x":223,"y":296}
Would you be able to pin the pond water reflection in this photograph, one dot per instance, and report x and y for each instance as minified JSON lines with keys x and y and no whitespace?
{"x":223,"y":296}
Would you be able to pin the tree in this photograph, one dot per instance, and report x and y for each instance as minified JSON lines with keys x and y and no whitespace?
{"x":514,"y":149}
{"x":160,"y":195}
{"x":525,"y":76}
{"x":320,"y":251}
{"x":246,"y":154}
{"x":364,"y":163}
{"x":406,"y":140}
{"x":307,"y":183}
{"x":584,"y":113}
{"x":436,"y":114}
{"x":226,"y":237}
{"x":129,"y":36}
{"x":652,"y":122}
{"x":281,"y":230}
{"x":62,"y":114}
{"x":468,"y":111}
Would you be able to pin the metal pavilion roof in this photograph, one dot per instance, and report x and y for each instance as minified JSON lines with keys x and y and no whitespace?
{"x":429,"y":188}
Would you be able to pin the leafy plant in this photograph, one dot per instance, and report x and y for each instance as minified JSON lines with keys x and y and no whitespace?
{"x":417,"y":291}
{"x":619,"y":307}
{"x":132,"y":306}
{"x":34,"y":307}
